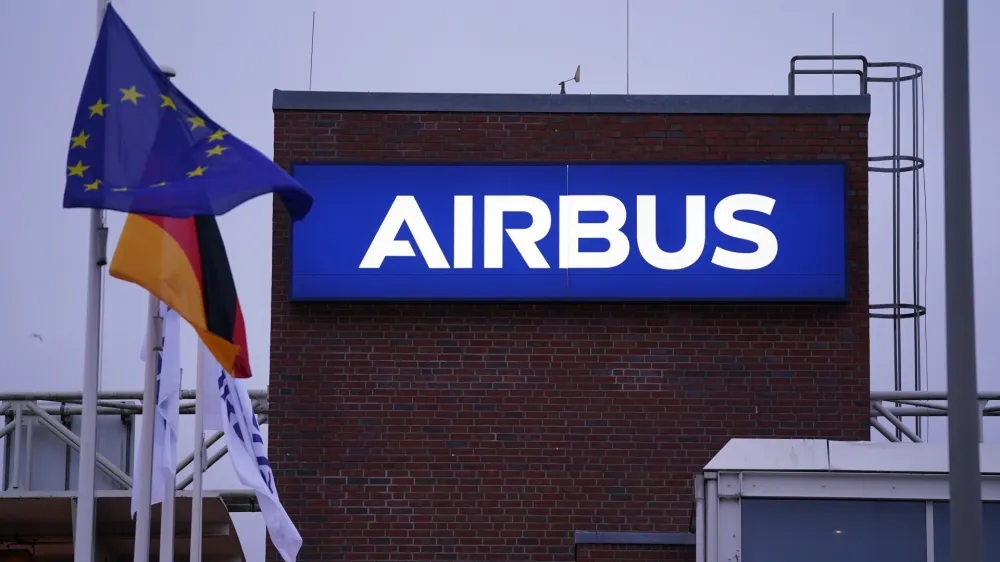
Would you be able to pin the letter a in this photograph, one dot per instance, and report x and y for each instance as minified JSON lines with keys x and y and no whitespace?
{"x":404,"y":210}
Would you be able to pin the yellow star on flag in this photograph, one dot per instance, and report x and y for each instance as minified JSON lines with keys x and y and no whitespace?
{"x":119,"y":189}
{"x":197,"y":172}
{"x":131,"y":95}
{"x":167,"y":102}
{"x":92,"y":186}
{"x":80,"y":140}
{"x":217,"y":135}
{"x":216,"y":150}
{"x":78,"y":170}
{"x":196,"y":122}
{"x":161,"y":184}
{"x":98,"y":108}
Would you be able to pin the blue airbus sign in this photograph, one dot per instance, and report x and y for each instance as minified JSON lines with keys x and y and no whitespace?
{"x":571,"y":232}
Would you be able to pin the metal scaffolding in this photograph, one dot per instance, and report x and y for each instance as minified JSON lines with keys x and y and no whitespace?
{"x":24,"y":412}
{"x":894,"y":406}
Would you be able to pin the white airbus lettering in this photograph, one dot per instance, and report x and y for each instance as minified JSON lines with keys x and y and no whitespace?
{"x":571,"y":231}
{"x":767,"y":244}
{"x":463,"y":232}
{"x":524,"y":239}
{"x":694,"y":241}
{"x":405,"y":210}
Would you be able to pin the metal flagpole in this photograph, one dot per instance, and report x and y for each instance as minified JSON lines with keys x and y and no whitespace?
{"x":963,"y":404}
{"x":167,"y":509}
{"x":142,"y":520}
{"x":167,"y":520}
{"x":200,"y":401}
{"x":83,"y":540}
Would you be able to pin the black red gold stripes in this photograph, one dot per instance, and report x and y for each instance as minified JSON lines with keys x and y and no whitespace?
{"x":184,"y":263}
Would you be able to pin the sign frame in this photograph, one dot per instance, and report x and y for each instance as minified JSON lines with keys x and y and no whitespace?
{"x":843,"y":298}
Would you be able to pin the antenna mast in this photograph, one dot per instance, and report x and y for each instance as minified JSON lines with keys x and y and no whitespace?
{"x":312,"y":45}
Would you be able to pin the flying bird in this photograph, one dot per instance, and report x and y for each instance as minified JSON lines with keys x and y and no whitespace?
{"x":38,"y":337}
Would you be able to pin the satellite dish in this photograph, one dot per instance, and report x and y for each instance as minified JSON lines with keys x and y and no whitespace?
{"x":576,"y":77}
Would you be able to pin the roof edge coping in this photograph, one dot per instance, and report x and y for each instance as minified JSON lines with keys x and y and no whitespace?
{"x":397,"y":102}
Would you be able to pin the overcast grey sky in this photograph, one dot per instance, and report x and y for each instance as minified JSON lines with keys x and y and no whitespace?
{"x":230,"y":54}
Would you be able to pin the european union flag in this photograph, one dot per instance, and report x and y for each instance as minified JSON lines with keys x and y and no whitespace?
{"x":140,"y":146}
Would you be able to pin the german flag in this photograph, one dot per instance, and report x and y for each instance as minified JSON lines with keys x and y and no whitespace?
{"x":183,"y":262}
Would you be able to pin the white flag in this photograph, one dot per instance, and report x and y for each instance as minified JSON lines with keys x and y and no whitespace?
{"x":249,"y":456}
{"x":168,"y":396}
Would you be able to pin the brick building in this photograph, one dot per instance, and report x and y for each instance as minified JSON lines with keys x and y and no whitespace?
{"x":496,"y":430}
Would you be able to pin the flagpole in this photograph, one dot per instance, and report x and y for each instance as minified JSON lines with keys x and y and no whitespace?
{"x":199,"y":455}
{"x":167,"y":508}
{"x":142,"y":521}
{"x":167,"y":520}
{"x":83,"y":540}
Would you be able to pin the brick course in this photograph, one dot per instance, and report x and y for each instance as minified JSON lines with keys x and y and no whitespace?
{"x":492,"y":431}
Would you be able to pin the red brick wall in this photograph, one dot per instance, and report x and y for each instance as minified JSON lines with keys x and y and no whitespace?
{"x":493,"y":431}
